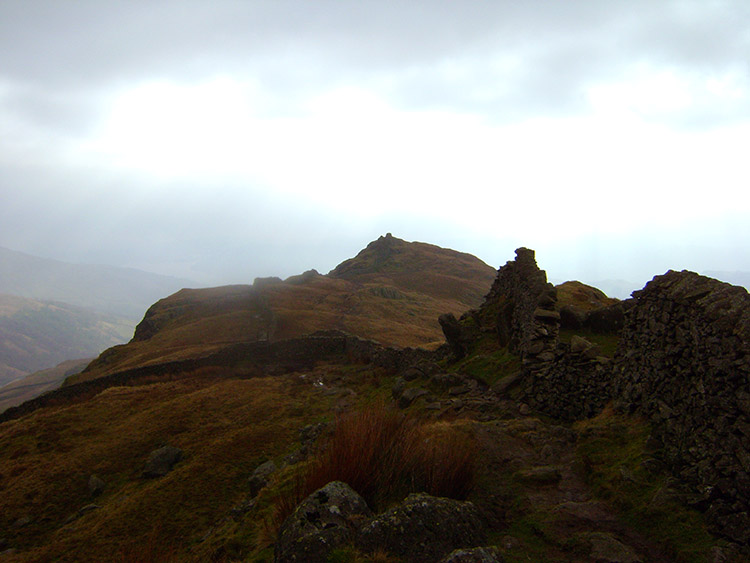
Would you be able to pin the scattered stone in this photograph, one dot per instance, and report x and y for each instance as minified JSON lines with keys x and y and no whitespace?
{"x":475,"y":555}
{"x":506,"y":383}
{"x":590,"y":511}
{"x":398,"y":388}
{"x":578,"y":344}
{"x":446,"y":380}
{"x":543,"y":475}
{"x":412,"y":373}
{"x":322,"y":522}
{"x":161,"y":461}
{"x":259,"y":477}
{"x":22,"y":522}
{"x":310,"y":433}
{"x":460,"y":338}
{"x":459,"y":390}
{"x":88,"y":508}
{"x":96,"y":486}
{"x":424,"y":528}
{"x":606,"y":549}
{"x":510,"y":542}
{"x":409,"y":396}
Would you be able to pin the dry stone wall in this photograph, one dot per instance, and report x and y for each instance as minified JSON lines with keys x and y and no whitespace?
{"x":683,"y":362}
{"x":262,"y":358}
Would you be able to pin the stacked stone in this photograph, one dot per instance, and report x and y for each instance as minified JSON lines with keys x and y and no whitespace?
{"x":575,"y":385}
{"x":683,"y":361}
{"x":526,"y":318}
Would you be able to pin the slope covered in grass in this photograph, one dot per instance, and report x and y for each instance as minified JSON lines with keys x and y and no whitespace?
{"x":36,"y":335}
{"x":392,"y":292}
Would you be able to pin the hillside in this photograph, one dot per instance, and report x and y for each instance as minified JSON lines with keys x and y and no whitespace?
{"x":124,"y":292}
{"x":510,"y":443}
{"x":35,"y":335}
{"x":35,"y":384}
{"x":393,"y":292}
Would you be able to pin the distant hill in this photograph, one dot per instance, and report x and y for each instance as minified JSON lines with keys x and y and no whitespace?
{"x":393,"y":292}
{"x":124,"y":292}
{"x":36,"y":335}
{"x":35,"y":384}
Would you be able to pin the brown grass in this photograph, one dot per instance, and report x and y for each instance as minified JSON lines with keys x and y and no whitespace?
{"x":384,"y":455}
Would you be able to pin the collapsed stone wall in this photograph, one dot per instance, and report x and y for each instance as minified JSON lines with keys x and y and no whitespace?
{"x":564,"y":381}
{"x":683,"y":362}
{"x":524,"y":304}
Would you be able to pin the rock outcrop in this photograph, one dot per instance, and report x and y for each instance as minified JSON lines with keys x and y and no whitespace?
{"x":322,"y":522}
{"x":161,"y":461}
{"x":424,"y":528}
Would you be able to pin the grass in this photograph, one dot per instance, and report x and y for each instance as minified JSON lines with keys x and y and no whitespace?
{"x":607,"y":342}
{"x":611,"y":449}
{"x":225,"y":428}
{"x":384,"y":455}
{"x":488,"y":365}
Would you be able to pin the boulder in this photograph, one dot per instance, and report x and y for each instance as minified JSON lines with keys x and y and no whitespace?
{"x":96,"y":486}
{"x":325,"y":520}
{"x":460,"y":338}
{"x":475,"y":555}
{"x":409,"y":396}
{"x":259,"y":478}
{"x":161,"y":461}
{"x":424,"y":528}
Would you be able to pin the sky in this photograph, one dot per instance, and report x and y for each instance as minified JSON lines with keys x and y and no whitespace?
{"x":225,"y":140}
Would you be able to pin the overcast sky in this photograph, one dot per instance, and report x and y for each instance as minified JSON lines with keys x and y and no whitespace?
{"x":226,"y":140}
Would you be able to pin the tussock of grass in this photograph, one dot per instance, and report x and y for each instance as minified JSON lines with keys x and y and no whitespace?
{"x":384,"y":455}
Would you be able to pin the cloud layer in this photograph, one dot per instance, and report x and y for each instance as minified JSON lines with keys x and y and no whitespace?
{"x":230,"y":139}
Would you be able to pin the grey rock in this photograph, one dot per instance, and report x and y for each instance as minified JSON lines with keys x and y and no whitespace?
{"x":543,"y":475}
{"x":606,"y":549}
{"x":259,"y":477}
{"x":22,"y":522}
{"x":578,"y":344}
{"x":424,"y":528}
{"x":161,"y":461}
{"x":88,"y":508}
{"x":460,"y":338}
{"x":475,"y":555}
{"x":323,"y":521}
{"x":96,"y":486}
{"x":446,"y":380}
{"x":409,"y":396}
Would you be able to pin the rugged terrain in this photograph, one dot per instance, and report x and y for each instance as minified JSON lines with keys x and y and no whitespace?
{"x":391,"y":292}
{"x":578,"y":428}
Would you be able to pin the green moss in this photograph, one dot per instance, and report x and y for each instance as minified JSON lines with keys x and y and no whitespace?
{"x":607,"y":342}
{"x":611,"y":449}
{"x":488,"y":367}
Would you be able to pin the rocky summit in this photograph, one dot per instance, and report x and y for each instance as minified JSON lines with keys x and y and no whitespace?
{"x":281,"y":422}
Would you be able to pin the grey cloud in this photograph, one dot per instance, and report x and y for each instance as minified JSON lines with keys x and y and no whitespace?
{"x":294,"y":49}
